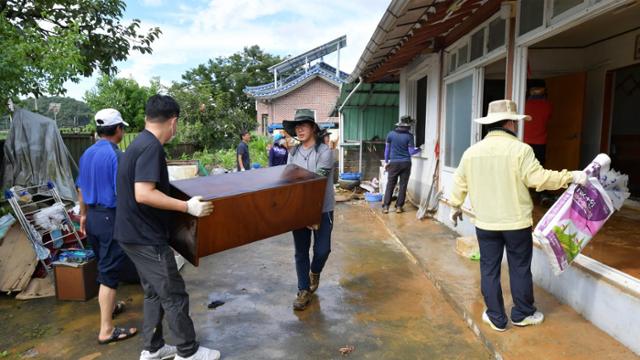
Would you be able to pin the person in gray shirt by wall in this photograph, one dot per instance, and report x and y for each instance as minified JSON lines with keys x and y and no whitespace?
{"x":313,"y":155}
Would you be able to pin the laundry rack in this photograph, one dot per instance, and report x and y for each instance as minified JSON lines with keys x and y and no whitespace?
{"x":26,"y":203}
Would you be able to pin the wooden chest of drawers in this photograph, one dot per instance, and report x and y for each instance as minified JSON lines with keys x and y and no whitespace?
{"x":248,"y":206}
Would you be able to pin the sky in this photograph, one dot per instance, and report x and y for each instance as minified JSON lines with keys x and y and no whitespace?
{"x":195,"y":31}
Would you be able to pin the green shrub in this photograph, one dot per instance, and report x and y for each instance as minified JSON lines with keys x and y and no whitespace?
{"x":226,"y":158}
{"x":258,"y":150}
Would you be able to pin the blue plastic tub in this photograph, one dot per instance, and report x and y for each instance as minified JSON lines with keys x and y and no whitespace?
{"x":351,"y":176}
{"x":373,"y":197}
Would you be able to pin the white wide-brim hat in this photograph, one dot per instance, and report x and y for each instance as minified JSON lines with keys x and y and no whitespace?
{"x":500,"y":110}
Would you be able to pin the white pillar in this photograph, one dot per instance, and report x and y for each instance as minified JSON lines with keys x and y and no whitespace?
{"x":275,"y":78}
{"x":338,"y":65}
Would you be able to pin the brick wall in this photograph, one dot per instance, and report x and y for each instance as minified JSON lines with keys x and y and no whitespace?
{"x":317,"y":94}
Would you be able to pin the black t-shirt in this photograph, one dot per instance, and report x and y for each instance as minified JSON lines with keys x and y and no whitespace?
{"x":243,"y":149}
{"x":143,"y":161}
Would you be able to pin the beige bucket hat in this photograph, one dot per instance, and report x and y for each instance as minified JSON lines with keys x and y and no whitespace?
{"x":502,"y":110}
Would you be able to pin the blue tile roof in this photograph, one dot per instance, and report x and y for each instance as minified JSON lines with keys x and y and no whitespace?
{"x":296,"y":80}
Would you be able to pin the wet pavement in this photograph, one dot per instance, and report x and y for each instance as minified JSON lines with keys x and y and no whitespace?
{"x":372,"y":297}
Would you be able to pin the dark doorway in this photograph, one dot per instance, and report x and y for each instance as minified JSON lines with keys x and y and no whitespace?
{"x":421,"y":111}
{"x":625,"y":125}
{"x":493,"y":90}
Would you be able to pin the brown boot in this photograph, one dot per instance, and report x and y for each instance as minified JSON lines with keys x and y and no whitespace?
{"x":385,"y":209}
{"x":315,"y":281}
{"x":302,"y":300}
{"x":399,"y":210}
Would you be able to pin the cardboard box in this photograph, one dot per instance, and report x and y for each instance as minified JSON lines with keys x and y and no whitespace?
{"x":248,"y":206}
{"x":76,"y":283}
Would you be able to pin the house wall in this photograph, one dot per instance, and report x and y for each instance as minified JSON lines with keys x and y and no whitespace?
{"x":604,"y":296}
{"x":423,"y":165}
{"x":317,"y":94}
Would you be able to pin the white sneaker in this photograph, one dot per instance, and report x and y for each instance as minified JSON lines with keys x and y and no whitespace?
{"x":165,"y":352}
{"x":536,"y":319}
{"x":485,"y":319}
{"x":202,"y":354}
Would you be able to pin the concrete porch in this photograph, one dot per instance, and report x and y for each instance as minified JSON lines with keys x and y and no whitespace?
{"x":565,"y":334}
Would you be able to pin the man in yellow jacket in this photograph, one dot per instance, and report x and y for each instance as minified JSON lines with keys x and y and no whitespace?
{"x":496,"y":173}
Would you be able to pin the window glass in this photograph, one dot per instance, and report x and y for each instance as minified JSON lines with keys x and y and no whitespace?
{"x":560,"y":6}
{"x":463,"y":55}
{"x":531,"y":15}
{"x":452,"y":63}
{"x":477,"y":44}
{"x":496,"y":34}
{"x":458,"y":120}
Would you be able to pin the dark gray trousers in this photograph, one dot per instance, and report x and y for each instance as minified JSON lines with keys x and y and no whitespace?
{"x":164,"y":293}
{"x":397,"y":170}
{"x":519,"y":244}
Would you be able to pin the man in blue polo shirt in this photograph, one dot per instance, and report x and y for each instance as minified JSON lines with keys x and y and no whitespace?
{"x":97,"y":194}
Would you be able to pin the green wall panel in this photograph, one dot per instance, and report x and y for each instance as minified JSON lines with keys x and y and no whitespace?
{"x":377,"y":122}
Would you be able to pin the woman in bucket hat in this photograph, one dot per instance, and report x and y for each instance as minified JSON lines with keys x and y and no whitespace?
{"x":397,"y":156}
{"x":313,"y":155}
{"x":496,"y":173}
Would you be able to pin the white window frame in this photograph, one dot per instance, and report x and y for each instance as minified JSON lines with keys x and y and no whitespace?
{"x":487,"y":56}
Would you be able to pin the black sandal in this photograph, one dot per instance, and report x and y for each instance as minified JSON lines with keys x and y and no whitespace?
{"x":116,"y":335}
{"x":118,"y":309}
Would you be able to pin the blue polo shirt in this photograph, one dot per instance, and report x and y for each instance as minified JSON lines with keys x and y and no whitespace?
{"x":97,"y":178}
{"x":400,"y":143}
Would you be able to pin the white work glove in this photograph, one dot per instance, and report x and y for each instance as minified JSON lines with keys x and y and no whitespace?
{"x":455,"y":215}
{"x":579,"y":177}
{"x":199,"y":208}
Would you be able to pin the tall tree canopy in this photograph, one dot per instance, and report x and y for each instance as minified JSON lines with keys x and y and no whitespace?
{"x":215,"y":108}
{"x":232,"y":74}
{"x":47,"y":42}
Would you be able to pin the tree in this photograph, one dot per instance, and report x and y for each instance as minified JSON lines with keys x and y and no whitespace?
{"x":214,"y":106}
{"x":210,"y":121}
{"x":48,"y":42}
{"x":230,"y":75}
{"x":124,"y":95}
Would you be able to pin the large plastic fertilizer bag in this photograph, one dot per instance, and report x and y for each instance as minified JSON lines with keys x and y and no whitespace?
{"x":580,"y":213}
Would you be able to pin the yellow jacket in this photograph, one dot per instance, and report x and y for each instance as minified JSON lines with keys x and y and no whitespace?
{"x":496,"y":174}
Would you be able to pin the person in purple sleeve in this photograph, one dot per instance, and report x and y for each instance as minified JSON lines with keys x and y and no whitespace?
{"x":278,"y":153}
{"x":397,"y":157}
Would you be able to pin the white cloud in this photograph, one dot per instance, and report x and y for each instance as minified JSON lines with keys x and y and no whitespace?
{"x":282,"y":27}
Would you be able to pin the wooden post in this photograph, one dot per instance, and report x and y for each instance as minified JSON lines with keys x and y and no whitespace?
{"x":507,"y":8}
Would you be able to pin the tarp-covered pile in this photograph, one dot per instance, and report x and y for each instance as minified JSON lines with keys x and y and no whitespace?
{"x":35,"y":153}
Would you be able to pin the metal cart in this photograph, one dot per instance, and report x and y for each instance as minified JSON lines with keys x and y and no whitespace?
{"x":29,"y":201}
